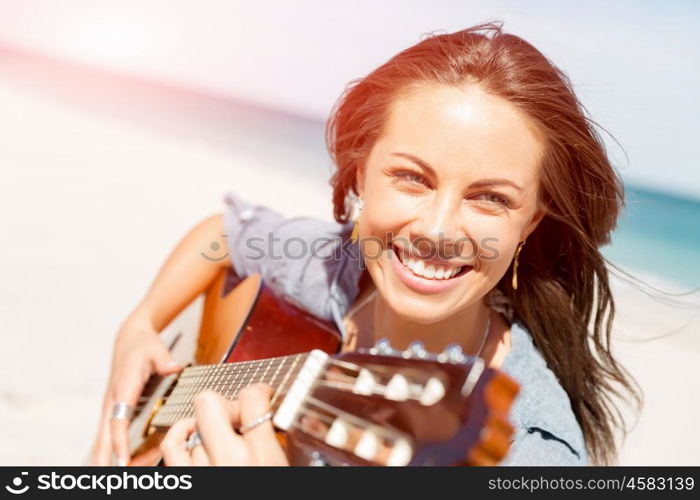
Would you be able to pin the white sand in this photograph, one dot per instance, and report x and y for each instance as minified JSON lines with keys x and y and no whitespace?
{"x":93,"y":199}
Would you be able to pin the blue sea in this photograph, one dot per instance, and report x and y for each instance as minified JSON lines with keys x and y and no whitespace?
{"x":658,"y":233}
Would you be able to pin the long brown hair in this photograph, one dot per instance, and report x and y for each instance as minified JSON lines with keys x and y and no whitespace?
{"x":563,"y":297}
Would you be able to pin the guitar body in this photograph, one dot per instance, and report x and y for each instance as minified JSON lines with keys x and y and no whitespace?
{"x":242,"y":320}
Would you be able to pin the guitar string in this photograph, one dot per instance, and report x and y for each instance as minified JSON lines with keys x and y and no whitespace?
{"x":195,"y":375}
{"x":201,"y":377}
{"x":226,"y":370}
{"x":349,"y":417}
{"x":230,"y":382}
{"x":185,"y":405}
{"x":229,"y":378}
{"x":180,"y":403}
{"x":232,"y":369}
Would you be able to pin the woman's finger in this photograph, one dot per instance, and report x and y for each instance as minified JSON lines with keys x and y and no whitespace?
{"x":162,"y":361}
{"x":102,"y":448}
{"x":127,"y":391}
{"x":199,"y":456}
{"x":173,"y":444}
{"x":215,"y":416}
{"x":255,"y":403}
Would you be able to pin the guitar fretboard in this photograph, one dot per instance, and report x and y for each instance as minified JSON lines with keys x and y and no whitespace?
{"x":227,"y":379}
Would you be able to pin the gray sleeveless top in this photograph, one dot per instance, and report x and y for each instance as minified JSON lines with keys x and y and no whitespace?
{"x":312,"y":263}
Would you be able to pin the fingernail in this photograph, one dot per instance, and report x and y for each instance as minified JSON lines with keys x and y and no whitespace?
{"x":121,"y":462}
{"x":172,"y":364}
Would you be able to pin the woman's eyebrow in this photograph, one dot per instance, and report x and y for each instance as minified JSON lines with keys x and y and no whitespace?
{"x":422,"y":164}
{"x":495,"y":182}
{"x":480,"y":183}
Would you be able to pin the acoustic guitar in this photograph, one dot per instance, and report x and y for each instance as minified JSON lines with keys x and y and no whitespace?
{"x":367,"y":407}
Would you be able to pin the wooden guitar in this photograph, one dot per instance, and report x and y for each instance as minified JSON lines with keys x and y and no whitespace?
{"x":372,"y":407}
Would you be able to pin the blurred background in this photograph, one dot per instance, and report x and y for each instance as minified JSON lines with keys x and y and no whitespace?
{"x":123,"y":123}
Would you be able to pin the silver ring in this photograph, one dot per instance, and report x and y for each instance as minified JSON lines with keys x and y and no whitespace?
{"x":255,"y":422}
{"x":122,"y":411}
{"x":193,"y":440}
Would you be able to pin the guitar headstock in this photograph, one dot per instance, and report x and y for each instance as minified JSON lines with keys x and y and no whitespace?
{"x":383,"y":407}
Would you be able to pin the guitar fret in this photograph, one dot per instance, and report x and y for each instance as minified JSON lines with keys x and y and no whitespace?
{"x":252,"y":378}
{"x":218,"y":378}
{"x":238,"y":381}
{"x":247,"y":378}
{"x":279,"y":390}
{"x":274,"y":376}
{"x":262,"y":377}
{"x":189,"y":389}
{"x":181,"y":401}
{"x":228,"y":385}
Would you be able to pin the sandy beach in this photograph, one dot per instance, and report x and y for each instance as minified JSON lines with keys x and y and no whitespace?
{"x":94,"y":195}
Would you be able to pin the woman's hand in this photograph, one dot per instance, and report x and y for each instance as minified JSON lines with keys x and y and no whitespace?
{"x":138,"y":352}
{"x":215,"y":419}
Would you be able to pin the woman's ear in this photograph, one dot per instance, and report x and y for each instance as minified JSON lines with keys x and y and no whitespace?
{"x":536,"y":219}
{"x":360,"y":180}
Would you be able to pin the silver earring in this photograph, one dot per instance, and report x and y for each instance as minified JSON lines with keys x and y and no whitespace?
{"x":356,"y":226}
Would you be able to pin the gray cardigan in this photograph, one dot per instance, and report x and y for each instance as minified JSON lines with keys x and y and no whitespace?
{"x":312,"y":263}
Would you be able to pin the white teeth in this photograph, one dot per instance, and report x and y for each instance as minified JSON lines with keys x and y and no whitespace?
{"x":418,"y":267}
{"x":429,"y":271}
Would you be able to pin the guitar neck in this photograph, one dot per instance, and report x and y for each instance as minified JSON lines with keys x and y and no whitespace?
{"x":227,"y":379}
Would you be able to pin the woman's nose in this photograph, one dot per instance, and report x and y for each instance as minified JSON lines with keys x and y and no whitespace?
{"x":438,"y":228}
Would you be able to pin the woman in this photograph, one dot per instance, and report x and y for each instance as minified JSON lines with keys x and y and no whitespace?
{"x":483,"y":194}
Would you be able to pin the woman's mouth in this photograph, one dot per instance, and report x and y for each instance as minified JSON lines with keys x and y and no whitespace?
{"x":426,"y":270}
{"x":423,"y":276}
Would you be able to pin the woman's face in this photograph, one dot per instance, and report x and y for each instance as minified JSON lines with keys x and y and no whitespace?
{"x":451,"y":186}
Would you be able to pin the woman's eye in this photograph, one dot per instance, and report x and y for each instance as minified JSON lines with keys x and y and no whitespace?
{"x":493,"y":198}
{"x":410,"y":177}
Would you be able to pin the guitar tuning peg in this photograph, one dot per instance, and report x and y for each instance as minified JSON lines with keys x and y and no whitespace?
{"x":453,"y":354}
{"x":315,"y":460}
{"x":383,"y":347}
{"x":416,"y":349}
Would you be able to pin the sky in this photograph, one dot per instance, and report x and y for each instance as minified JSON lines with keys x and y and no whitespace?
{"x":633,"y":63}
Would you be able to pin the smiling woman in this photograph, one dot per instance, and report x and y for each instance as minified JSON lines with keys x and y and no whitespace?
{"x":484,"y":194}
